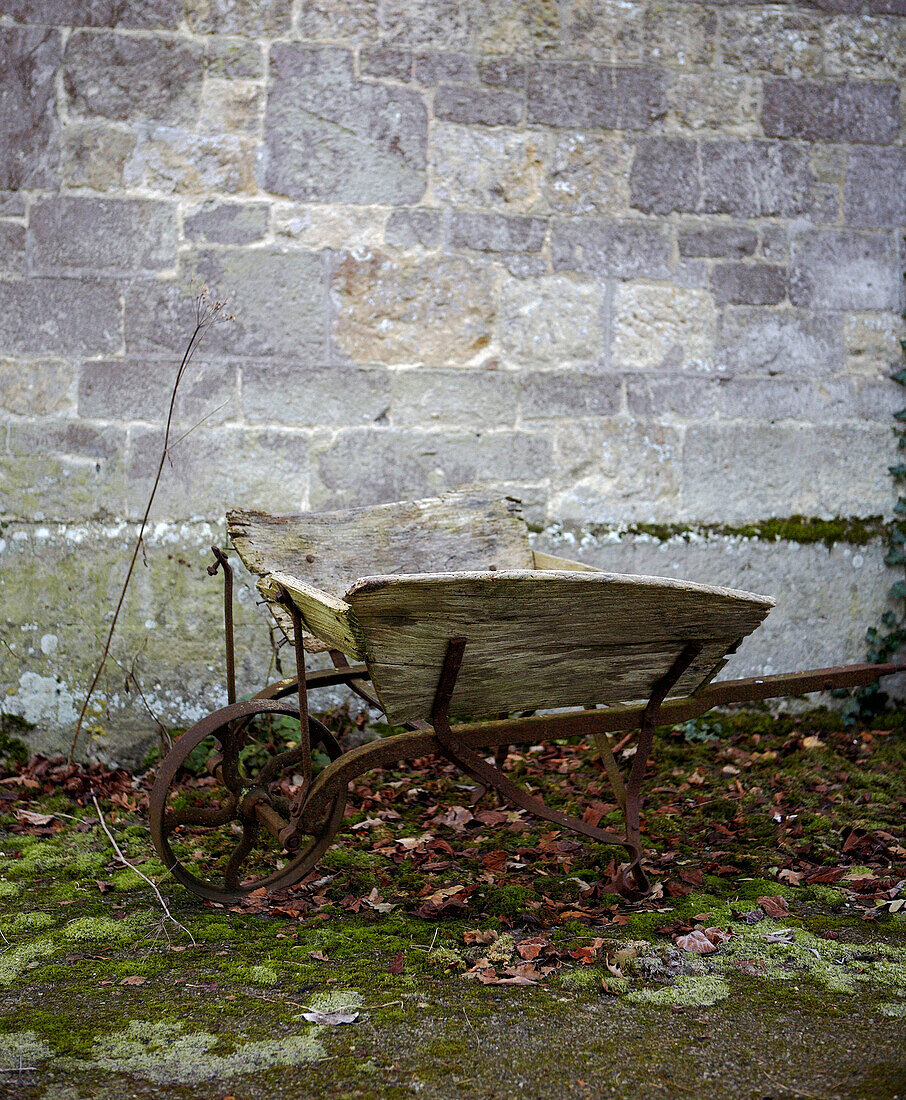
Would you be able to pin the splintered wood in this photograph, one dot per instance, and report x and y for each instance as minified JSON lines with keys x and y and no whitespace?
{"x":330,"y":550}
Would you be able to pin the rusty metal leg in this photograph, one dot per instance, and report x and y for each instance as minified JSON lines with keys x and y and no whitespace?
{"x":221,"y":560}
{"x":304,"y":737}
{"x":643,"y":753}
{"x":476,"y":766}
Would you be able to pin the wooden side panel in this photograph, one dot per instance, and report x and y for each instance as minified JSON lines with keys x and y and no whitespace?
{"x":551,"y":561}
{"x":542,"y":639}
{"x":323,"y":615}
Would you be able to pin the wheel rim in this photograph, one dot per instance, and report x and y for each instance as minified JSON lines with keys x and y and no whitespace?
{"x":241,"y":836}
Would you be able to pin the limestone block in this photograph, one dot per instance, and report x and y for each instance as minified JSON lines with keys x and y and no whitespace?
{"x":620,"y":250}
{"x":231,"y":106}
{"x":454,"y":103}
{"x":732,"y":472}
{"x":227,"y":222}
{"x":255,"y":18}
{"x":864,"y":46}
{"x":140,"y":389}
{"x":77,"y":317}
{"x":552,"y":320}
{"x":617,"y":31}
{"x":678,"y":35}
{"x":771,"y":41}
{"x":719,"y":102}
{"x":588,"y":175}
{"x":321,"y":225}
{"x":432,"y":68}
{"x":372,"y":465}
{"x":844,"y":269}
{"x":857,"y":111}
{"x":743,"y":178}
{"x":436,"y":311}
{"x":59,"y":469}
{"x":815,"y":401}
{"x":615,"y":471}
{"x":386,"y":62}
{"x":142,"y":14}
{"x":873,"y":343}
{"x":172,"y":160}
{"x":503,"y":72}
{"x":780,"y":342}
{"x":213,"y":469}
{"x":301,"y":395}
{"x":12,"y":248}
{"x":595,"y":96}
{"x":116,"y":76}
{"x":417,"y":226}
{"x":876,"y":187}
{"x":43,"y":387}
{"x":233,"y":58}
{"x":344,"y":20}
{"x":496,"y":232}
{"x":717,"y":241}
{"x":530,"y":27}
{"x":656,"y":326}
{"x":672,"y":397}
{"x":75,"y":233}
{"x":12,"y":204}
{"x":95,"y":155}
{"x":567,"y":394}
{"x":439,"y":24}
{"x":29,"y":131}
{"x":277,"y":299}
{"x":497,"y":170}
{"x":753,"y":284}
{"x":422,"y":396}
{"x":331,"y":137}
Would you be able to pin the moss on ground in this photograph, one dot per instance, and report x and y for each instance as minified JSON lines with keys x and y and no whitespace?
{"x":103,"y":997}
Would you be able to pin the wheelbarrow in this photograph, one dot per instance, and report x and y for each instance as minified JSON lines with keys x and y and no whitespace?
{"x":438,"y":613}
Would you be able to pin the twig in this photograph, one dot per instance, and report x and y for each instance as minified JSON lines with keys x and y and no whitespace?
{"x":206,"y":315}
{"x":167,"y":914}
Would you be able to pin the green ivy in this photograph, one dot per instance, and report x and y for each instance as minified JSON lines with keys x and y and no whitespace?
{"x":886,"y":641}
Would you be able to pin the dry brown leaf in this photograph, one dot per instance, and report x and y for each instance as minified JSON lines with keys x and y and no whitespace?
{"x":775,"y":907}
{"x":31,"y":818}
{"x":477,"y":935}
{"x":696,"y":943}
{"x":133,"y":979}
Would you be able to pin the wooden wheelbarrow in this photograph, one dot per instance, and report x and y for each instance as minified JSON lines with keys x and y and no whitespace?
{"x":454,"y":617}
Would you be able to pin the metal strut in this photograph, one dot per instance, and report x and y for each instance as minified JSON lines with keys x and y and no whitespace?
{"x":221,"y":560}
{"x":476,"y":766}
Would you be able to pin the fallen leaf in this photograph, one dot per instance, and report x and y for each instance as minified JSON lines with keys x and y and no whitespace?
{"x":315,"y":1017}
{"x":319,"y":956}
{"x":812,"y":743}
{"x":397,"y":963}
{"x":104,"y":887}
{"x":450,"y":897}
{"x":775,"y":907}
{"x":782,"y":935}
{"x":703,"y":941}
{"x":457,"y":817}
{"x":794,"y":878}
{"x":31,"y":818}
{"x":532,"y":948}
{"x":476,"y":935}
{"x":133,"y":979}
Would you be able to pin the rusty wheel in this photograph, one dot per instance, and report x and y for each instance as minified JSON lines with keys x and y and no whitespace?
{"x":208,"y":828}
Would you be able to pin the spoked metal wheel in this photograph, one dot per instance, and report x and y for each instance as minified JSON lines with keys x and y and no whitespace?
{"x":220,"y":825}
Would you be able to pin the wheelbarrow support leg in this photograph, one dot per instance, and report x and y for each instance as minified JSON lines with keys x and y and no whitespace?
{"x":476,"y":766}
{"x":220,"y":559}
{"x":633,"y":790}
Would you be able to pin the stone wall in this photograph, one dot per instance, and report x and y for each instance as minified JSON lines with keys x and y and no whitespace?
{"x":631,"y":261}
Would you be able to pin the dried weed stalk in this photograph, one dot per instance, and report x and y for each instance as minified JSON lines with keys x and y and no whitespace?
{"x":207,"y":314}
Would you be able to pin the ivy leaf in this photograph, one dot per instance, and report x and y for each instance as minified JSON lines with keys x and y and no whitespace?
{"x":898,"y":471}
{"x":898,"y":591}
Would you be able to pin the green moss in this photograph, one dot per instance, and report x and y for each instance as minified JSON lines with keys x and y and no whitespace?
{"x":692,"y":990}
{"x":12,"y":963}
{"x":826,"y":895}
{"x":854,"y":530}
{"x":507,"y":901}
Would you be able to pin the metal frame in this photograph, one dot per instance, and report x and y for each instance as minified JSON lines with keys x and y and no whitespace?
{"x":306,"y":825}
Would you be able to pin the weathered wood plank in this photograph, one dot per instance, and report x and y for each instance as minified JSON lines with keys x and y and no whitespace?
{"x":551,"y":561}
{"x":542,"y":639}
{"x":322,"y":615}
{"x":465,"y":529}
